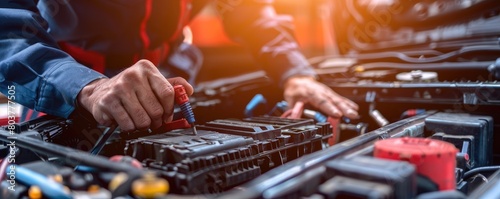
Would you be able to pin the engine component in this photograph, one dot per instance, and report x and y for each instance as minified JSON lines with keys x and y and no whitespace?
{"x":268,"y":157}
{"x":478,"y":147}
{"x":378,"y":117}
{"x":226,"y":153}
{"x":489,"y":190}
{"x":306,"y":170}
{"x":417,"y":76}
{"x":263,"y":151}
{"x":395,"y":24}
{"x":342,"y":187}
{"x":150,"y":187}
{"x":495,"y":69}
{"x":425,"y":154}
{"x":398,"y":176}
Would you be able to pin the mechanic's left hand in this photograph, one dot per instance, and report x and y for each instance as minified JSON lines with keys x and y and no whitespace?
{"x":308,"y":90}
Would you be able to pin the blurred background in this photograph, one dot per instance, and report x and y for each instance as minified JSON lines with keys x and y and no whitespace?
{"x":351,"y":27}
{"x":221,"y":53}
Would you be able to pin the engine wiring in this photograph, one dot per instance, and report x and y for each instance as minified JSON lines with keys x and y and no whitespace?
{"x":487,"y":169}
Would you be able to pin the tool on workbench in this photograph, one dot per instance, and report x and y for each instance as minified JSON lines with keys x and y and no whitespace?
{"x":182,"y":99}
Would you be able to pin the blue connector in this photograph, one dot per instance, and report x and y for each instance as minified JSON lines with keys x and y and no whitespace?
{"x":252,"y":105}
{"x":315,"y":115}
{"x":320,"y":117}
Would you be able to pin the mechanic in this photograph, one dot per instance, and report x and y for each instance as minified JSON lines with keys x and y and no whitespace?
{"x":56,"y":53}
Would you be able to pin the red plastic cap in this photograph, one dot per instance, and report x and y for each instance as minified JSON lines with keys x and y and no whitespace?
{"x":416,"y":146}
{"x":435,"y":159}
{"x":126,"y":159}
{"x":181,"y":96}
{"x":334,"y":123}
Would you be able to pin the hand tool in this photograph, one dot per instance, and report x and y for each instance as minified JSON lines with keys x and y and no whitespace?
{"x":182,"y":99}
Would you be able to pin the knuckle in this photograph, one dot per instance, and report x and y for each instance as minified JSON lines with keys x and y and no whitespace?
{"x":144,"y":63}
{"x":167,"y":91}
{"x":130,"y":75}
{"x":120,"y":86}
{"x":106,"y":100}
{"x":124,"y":81}
{"x":100,"y":105}
{"x":102,"y":120}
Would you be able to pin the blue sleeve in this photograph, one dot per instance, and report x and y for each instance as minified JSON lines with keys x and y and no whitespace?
{"x":45,"y":78}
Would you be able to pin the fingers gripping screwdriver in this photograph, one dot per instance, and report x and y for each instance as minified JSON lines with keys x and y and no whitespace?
{"x":182,"y":99}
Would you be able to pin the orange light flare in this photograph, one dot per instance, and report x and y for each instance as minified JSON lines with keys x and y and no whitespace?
{"x":208,"y":30}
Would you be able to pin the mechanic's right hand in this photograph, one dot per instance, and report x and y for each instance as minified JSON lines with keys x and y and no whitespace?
{"x":139,"y":97}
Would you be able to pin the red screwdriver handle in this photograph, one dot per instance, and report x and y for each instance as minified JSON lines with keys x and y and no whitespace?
{"x":181,"y":96}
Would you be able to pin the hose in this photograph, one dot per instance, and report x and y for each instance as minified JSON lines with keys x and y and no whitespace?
{"x":475,"y":171}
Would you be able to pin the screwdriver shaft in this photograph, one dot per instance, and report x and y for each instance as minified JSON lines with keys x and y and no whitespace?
{"x":194,"y":130}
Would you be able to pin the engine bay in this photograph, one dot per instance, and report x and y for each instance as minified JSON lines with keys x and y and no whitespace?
{"x":425,"y":78}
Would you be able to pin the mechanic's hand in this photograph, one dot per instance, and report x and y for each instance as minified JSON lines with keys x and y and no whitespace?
{"x":137,"y":98}
{"x":308,"y":90}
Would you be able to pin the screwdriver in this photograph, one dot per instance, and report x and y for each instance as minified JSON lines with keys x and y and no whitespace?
{"x":182,"y":99}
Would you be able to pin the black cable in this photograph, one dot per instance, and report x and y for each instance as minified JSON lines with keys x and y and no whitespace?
{"x":430,"y":66}
{"x":475,"y":171}
{"x":69,"y":156}
{"x":438,"y":58}
{"x":425,"y":185}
